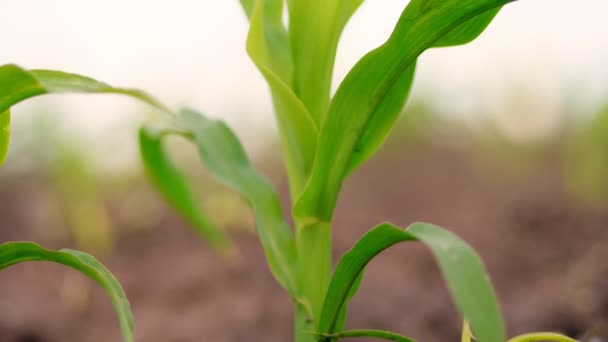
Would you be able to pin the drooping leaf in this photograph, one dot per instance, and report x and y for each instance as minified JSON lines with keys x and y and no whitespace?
{"x":225,"y":159}
{"x":18,"y":84}
{"x":15,"y":252}
{"x":268,"y":47}
{"x":379,"y":334}
{"x":176,"y":189}
{"x":461,"y":267}
{"x":315,"y":27}
{"x":371,"y":96}
{"x":5,"y":134}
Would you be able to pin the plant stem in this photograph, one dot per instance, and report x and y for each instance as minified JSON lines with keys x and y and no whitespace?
{"x":314,"y":272}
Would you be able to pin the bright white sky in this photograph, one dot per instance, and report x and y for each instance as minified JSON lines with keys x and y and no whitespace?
{"x":191,"y":52}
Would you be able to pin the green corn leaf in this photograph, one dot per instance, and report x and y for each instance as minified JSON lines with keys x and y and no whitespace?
{"x":468,"y":31}
{"x":15,"y":252}
{"x":268,"y":47}
{"x":379,"y":334}
{"x":176,"y":189}
{"x":461,"y":267}
{"x":5,"y":134}
{"x":353,"y":291}
{"x":18,"y":84}
{"x":315,"y":27}
{"x":371,"y":96}
{"x":226,"y":160}
{"x":542,"y":336}
{"x":248,"y":7}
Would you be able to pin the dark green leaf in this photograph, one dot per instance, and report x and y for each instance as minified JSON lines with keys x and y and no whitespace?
{"x":225,"y":159}
{"x":176,"y":189}
{"x":373,"y":93}
{"x":462,"y":269}
{"x":18,"y":84}
{"x":15,"y":252}
{"x":5,"y":134}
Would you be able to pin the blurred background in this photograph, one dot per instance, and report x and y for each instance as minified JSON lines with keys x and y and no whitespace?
{"x":504,"y":141}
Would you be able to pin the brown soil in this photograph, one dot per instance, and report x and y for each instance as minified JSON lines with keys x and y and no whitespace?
{"x":546,"y":254}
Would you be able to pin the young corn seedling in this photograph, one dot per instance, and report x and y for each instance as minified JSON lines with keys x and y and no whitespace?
{"x":324,"y":139}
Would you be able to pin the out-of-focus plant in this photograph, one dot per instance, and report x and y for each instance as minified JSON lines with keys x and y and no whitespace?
{"x":586,"y":159}
{"x":324,"y":139}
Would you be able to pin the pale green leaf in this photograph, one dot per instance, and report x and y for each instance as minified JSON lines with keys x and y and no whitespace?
{"x":371,"y":96}
{"x":461,"y":267}
{"x":268,"y":47}
{"x":176,"y":189}
{"x":226,"y":160}
{"x":542,"y":336}
{"x":315,"y":27}
{"x":15,"y":252}
{"x":18,"y":84}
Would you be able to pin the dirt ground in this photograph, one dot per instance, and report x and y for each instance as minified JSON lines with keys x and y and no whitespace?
{"x":547,"y":255}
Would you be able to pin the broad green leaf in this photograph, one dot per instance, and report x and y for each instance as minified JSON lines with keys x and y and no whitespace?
{"x":15,"y":252}
{"x":315,"y":27}
{"x":5,"y":134}
{"x":379,"y":334}
{"x":461,"y":267}
{"x":176,"y":189}
{"x":268,"y":47}
{"x":226,"y":160}
{"x":18,"y":84}
{"x":542,"y":336}
{"x":371,"y":96}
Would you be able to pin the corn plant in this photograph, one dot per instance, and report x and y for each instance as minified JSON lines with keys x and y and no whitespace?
{"x":324,"y":139}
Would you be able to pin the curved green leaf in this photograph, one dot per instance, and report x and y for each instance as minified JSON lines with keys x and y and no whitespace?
{"x":461,"y":267}
{"x":18,"y":84}
{"x":15,"y":252}
{"x":379,"y":334}
{"x":226,"y":160}
{"x":315,"y":27}
{"x":373,"y":93}
{"x":175,"y":188}
{"x":469,"y":30}
{"x":5,"y":134}
{"x":542,"y":336}
{"x":268,"y":47}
